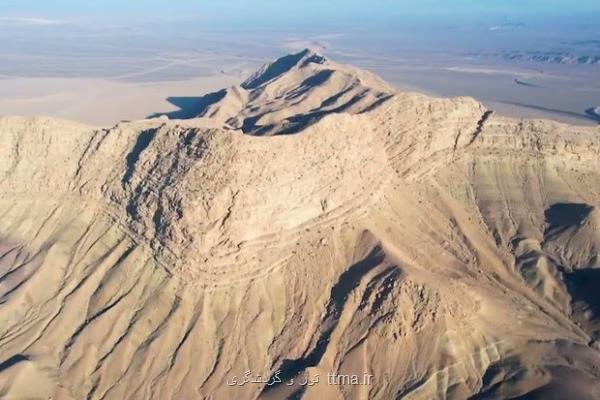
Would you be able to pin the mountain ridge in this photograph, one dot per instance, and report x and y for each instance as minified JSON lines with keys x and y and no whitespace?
{"x":416,"y":239}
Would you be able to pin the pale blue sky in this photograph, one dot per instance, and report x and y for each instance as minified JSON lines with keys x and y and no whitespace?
{"x":305,"y":9}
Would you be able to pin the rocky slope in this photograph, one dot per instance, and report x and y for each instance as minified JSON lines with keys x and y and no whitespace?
{"x":292,"y":92}
{"x":444,"y":250}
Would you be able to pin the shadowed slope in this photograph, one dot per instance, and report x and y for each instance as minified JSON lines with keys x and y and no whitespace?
{"x":281,"y":66}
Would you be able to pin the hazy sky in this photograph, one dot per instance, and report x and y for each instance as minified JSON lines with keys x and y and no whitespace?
{"x":306,"y":10}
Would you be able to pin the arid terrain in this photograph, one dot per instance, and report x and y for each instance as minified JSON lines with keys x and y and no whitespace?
{"x":311,"y":221}
{"x":100,"y":71}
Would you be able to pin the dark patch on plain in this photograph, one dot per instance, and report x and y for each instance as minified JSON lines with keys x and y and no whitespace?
{"x":565,"y":113}
{"x":191,"y":107}
{"x":526,"y":84}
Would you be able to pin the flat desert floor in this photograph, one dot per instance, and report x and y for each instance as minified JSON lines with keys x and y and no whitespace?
{"x":105,"y":75}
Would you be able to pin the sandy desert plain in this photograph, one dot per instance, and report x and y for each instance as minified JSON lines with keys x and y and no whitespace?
{"x":102,"y":75}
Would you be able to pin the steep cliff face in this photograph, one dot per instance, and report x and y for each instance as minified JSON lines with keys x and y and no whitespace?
{"x":430,"y":244}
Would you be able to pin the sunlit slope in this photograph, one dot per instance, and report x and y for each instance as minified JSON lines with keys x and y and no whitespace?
{"x":444,"y":250}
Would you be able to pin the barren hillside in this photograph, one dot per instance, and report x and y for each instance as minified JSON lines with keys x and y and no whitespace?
{"x":311,"y":221}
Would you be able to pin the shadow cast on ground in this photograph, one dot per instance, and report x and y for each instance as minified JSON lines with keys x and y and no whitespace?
{"x":588,"y":114}
{"x":191,"y":107}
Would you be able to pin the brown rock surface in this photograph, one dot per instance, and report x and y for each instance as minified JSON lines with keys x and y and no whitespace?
{"x":445,"y":250}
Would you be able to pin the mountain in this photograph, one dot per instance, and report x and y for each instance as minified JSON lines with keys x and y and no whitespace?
{"x":293,"y":92}
{"x":427,"y":247}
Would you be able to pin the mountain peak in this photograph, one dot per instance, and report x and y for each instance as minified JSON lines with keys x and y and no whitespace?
{"x":293,"y":92}
{"x":275,"y":69}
